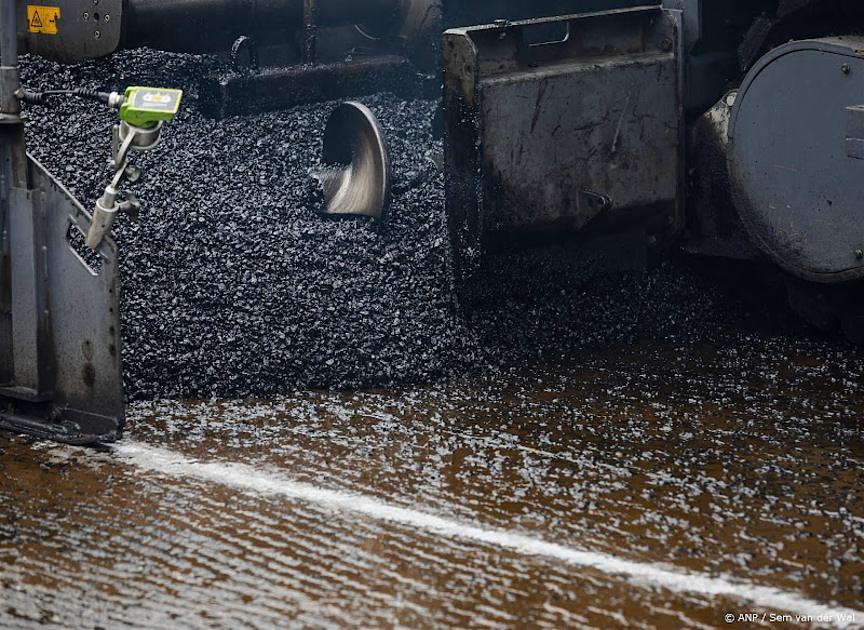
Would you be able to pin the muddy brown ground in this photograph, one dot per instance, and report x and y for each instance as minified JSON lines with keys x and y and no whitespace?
{"x":739,"y":460}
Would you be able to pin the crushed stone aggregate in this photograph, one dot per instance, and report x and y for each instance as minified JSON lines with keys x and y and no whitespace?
{"x":233,"y":285}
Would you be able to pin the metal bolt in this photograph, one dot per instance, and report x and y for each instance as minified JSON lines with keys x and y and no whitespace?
{"x":845,"y":68}
{"x":97,"y":34}
{"x":666,"y":45}
{"x":859,"y":254}
{"x":132,"y":173}
{"x":86,"y":16}
{"x":731,"y":98}
{"x":107,"y":18}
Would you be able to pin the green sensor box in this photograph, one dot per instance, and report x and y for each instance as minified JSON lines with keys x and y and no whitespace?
{"x":148,"y":106}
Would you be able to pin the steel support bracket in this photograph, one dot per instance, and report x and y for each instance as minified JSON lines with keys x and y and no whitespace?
{"x":60,"y":369}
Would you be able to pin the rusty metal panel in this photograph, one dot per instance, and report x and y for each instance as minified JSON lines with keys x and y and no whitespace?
{"x":553,"y":135}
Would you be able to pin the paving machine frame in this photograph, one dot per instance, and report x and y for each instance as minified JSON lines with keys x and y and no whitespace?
{"x":607,"y":129}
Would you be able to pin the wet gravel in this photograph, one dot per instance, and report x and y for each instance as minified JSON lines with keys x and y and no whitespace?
{"x":234,"y":285}
{"x":739,"y":460}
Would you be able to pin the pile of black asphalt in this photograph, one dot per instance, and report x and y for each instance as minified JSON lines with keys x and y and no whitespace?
{"x":234,"y":285}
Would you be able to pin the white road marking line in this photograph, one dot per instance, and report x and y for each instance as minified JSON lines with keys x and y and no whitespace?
{"x":250,"y":479}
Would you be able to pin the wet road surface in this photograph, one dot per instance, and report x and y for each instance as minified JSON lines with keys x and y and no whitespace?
{"x":646,"y":486}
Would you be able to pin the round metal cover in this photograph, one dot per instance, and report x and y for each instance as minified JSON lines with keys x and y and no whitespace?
{"x":796,"y":183}
{"x":355,"y":175}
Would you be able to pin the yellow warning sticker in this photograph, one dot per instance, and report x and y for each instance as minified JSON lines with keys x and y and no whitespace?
{"x":42,"y":19}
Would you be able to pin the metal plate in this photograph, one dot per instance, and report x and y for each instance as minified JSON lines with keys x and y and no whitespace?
{"x":65,"y":321}
{"x":84,"y":29}
{"x":798,"y":191}
{"x":552,"y":135}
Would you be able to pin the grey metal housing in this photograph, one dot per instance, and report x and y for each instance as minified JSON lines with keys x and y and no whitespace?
{"x":559,"y":135}
{"x":795,"y":177}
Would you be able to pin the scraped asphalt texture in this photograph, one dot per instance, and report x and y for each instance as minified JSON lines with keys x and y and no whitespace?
{"x":233,"y":285}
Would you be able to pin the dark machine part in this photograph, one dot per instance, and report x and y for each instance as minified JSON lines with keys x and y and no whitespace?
{"x":579,"y":135}
{"x":71,"y":31}
{"x":713,"y":225}
{"x":279,"y":33}
{"x":795,"y":170}
{"x":772,"y":169}
{"x":781,"y":191}
{"x":247,"y":93}
{"x":60,"y":371}
{"x":460,"y":13}
{"x":355,"y":172}
{"x":284,"y":52}
{"x":213,"y":25}
{"x":60,"y":340}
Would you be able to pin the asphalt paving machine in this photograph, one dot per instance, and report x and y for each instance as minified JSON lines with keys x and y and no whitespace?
{"x":731,"y":128}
